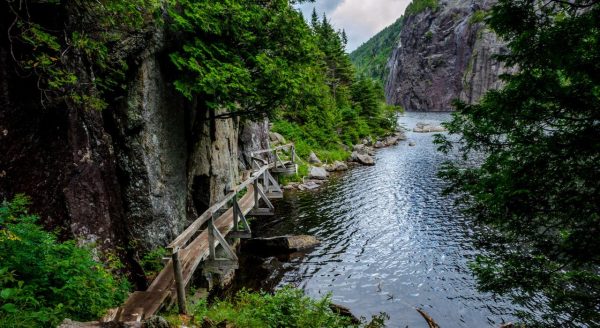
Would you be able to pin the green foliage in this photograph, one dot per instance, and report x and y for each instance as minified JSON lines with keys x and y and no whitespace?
{"x":477,"y":17}
{"x":43,"y":281}
{"x":152,"y":262}
{"x":287,"y":307}
{"x":536,"y":190}
{"x":418,"y":6}
{"x":46,"y":47}
{"x":245,"y":56}
{"x":371,"y":58}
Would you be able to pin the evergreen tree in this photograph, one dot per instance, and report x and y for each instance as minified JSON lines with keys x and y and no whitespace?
{"x":537,"y":191}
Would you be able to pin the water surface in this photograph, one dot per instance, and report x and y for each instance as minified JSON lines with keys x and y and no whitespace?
{"x":390,"y":241}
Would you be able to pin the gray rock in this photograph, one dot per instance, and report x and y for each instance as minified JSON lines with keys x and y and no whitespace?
{"x":280,"y":244}
{"x":391,"y":141}
{"x":309,"y":185}
{"x":276,"y":138}
{"x":313,"y":159}
{"x":442,"y":55}
{"x":363,"y":149}
{"x":400,"y":135}
{"x":428,"y":127}
{"x":318,"y":173}
{"x":412,"y":143}
{"x":379,"y":144}
{"x":336,"y":166}
{"x":362,"y":158}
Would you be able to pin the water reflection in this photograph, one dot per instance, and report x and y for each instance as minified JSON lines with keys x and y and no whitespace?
{"x":390,"y":241}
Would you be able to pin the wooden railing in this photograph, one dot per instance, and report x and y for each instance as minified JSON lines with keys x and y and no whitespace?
{"x":194,"y":245}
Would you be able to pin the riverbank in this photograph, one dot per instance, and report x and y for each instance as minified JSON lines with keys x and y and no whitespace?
{"x":313,"y":173}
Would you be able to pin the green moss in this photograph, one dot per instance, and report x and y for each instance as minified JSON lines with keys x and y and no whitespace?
{"x":477,"y":17}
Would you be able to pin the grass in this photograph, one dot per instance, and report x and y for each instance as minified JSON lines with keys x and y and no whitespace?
{"x":287,"y":307}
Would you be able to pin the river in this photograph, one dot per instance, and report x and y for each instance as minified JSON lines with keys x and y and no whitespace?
{"x":391,"y":241}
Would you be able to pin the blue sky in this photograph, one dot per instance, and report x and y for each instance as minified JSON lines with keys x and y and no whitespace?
{"x":360,"y":18}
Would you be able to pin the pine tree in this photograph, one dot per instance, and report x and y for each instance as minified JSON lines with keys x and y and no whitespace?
{"x":537,"y":192}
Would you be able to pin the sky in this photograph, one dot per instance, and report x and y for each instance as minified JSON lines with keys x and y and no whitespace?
{"x":361,"y":19}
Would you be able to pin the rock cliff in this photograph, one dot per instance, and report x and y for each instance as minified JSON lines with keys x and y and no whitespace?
{"x":132,"y":176}
{"x":444,"y":54}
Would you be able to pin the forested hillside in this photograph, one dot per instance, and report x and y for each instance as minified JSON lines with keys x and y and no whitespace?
{"x":371,"y":57}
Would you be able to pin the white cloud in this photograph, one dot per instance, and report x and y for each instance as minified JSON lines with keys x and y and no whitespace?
{"x":360,"y":18}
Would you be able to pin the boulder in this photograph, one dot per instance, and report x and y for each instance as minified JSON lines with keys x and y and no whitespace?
{"x":390,"y":141}
{"x":309,"y":185}
{"x":276,"y":138}
{"x":363,"y":149}
{"x":362,"y":158}
{"x":318,"y":173}
{"x":428,"y":127}
{"x":280,"y":244}
{"x":336,"y":166}
{"x":412,"y":143}
{"x":379,"y":144}
{"x":400,"y":135}
{"x":313,"y":159}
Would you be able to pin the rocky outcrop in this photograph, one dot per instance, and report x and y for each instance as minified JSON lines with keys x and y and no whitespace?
{"x":443,"y":55}
{"x":132,"y":176}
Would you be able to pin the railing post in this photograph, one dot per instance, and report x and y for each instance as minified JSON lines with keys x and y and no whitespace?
{"x":255,"y":183}
{"x":265,"y":181}
{"x":179,"y":282}
{"x":211,"y":237}
{"x":293,"y":153}
{"x":235,"y":213}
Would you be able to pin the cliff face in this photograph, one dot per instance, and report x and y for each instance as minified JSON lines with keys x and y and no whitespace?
{"x":131,"y":176}
{"x":443,"y":55}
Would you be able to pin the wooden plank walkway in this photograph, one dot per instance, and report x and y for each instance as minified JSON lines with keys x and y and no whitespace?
{"x":192,"y":245}
{"x":144,"y":304}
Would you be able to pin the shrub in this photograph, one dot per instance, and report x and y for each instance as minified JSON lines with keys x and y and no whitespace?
{"x":152,"y":262}
{"x":477,"y":17}
{"x":287,"y":307}
{"x":418,"y":6}
{"x":43,"y":281}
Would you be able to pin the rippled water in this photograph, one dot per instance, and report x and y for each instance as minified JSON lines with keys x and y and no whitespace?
{"x":390,"y":241}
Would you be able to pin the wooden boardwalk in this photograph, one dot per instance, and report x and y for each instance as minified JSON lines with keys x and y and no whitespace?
{"x":194,"y":247}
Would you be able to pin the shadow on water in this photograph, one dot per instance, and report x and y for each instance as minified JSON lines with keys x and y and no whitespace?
{"x":390,"y":241}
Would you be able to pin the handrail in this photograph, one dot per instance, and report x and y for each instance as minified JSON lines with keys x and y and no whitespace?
{"x":271,"y":149}
{"x":187,"y":234}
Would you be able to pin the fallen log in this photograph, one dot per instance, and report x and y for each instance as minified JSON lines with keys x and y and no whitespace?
{"x":430,"y":321}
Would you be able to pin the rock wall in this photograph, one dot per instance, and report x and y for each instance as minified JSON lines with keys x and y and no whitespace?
{"x":444,"y":55}
{"x":132,"y":176}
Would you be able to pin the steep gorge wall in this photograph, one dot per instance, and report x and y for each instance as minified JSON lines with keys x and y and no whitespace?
{"x":443,"y":55}
{"x":132,"y":176}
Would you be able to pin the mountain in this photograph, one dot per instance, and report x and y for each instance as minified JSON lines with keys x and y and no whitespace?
{"x":445,"y":51}
{"x":370,"y":59}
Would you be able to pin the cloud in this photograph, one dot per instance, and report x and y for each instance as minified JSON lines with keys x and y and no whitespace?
{"x":361,"y":19}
